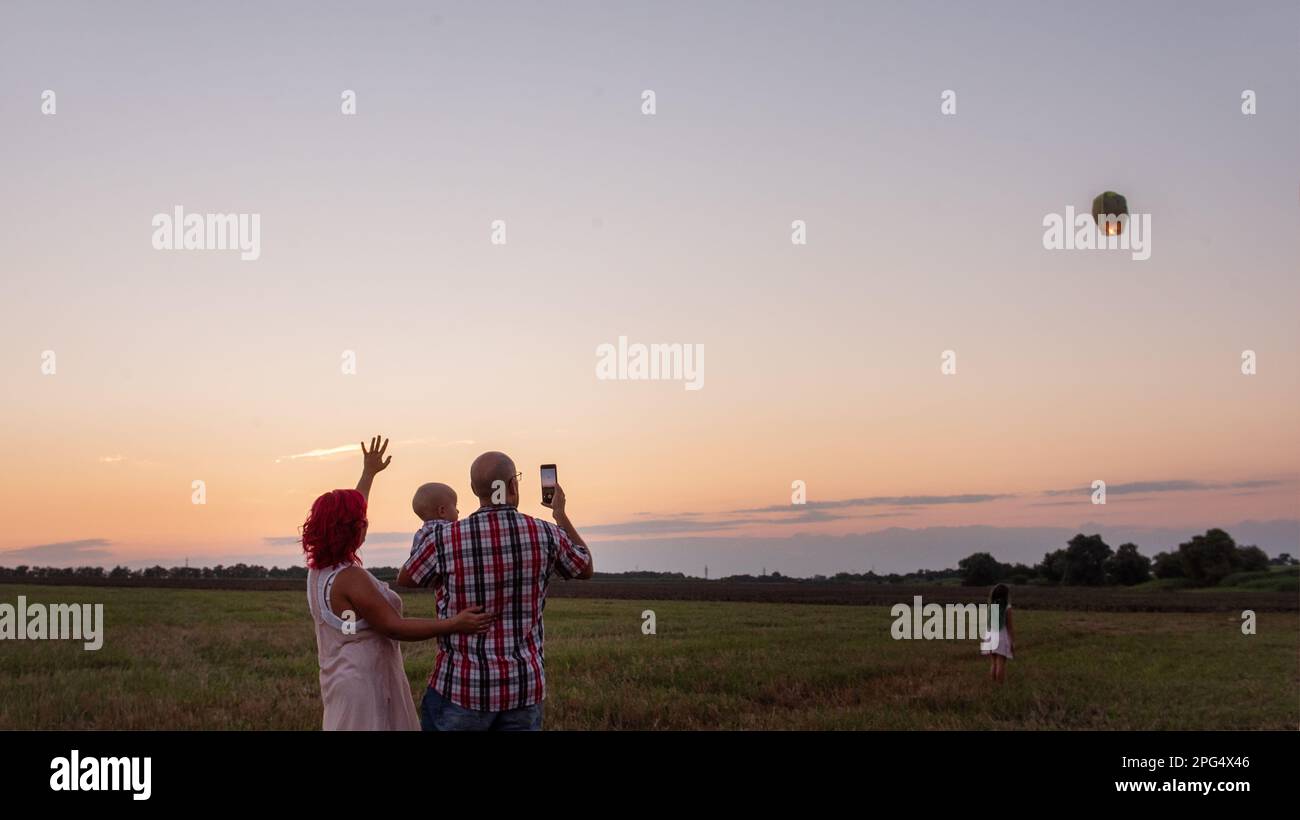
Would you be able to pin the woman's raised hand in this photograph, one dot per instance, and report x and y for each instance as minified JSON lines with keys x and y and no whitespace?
{"x":374,"y":457}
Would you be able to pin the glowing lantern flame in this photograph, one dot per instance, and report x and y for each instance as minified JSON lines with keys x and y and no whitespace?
{"x":1107,"y":210}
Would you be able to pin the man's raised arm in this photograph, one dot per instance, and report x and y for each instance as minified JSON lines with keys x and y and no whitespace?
{"x":574,"y":565}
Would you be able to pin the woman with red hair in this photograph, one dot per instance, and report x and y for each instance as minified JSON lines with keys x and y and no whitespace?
{"x":359,"y":618}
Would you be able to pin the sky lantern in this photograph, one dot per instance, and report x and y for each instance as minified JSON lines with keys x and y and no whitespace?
{"x":1107,"y":209}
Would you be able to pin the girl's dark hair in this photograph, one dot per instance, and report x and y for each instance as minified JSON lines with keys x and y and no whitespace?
{"x":1001,"y":596}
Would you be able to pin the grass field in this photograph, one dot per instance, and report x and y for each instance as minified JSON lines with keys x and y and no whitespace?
{"x":222,"y":659}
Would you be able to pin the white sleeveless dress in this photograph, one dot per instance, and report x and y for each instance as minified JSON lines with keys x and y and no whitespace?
{"x":1004,"y":641}
{"x":362,"y":679}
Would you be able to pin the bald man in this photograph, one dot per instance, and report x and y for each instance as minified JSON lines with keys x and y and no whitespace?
{"x":502,"y":560}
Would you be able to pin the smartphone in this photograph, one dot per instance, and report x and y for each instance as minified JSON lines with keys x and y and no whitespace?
{"x":548,"y":484}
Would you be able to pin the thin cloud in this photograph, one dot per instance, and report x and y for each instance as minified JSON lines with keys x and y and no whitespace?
{"x":1172,"y":486}
{"x":371,"y":538}
{"x":326,"y":452}
{"x":675,"y":523}
{"x":888,"y":501}
{"x":667,"y":526}
{"x":322,"y":453}
{"x":118,"y":458}
{"x":390,"y":537}
{"x":1257,"y":484}
{"x":85,"y":549}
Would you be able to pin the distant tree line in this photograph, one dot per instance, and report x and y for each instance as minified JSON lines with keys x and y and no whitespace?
{"x":920,"y":576}
{"x":242,"y":571}
{"x":1087,"y":560}
{"x":251,"y":571}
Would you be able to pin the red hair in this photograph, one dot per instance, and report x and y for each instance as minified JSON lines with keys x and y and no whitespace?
{"x":335,"y":529}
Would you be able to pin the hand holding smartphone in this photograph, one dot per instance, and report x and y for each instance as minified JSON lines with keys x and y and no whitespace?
{"x":549,"y":478}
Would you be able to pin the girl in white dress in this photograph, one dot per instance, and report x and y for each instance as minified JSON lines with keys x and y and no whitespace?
{"x":359,"y":619}
{"x":1000,"y":597}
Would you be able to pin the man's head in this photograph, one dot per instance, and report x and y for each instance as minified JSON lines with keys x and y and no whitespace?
{"x":433,"y":501}
{"x":492,"y":477}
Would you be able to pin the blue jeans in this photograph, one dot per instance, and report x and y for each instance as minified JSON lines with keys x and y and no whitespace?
{"x":437,"y":714}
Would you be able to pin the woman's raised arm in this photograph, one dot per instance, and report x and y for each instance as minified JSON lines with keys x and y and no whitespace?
{"x":373,"y":462}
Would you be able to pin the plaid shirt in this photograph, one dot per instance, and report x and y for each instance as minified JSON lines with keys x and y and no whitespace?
{"x":423,"y":533}
{"x":500,"y":559}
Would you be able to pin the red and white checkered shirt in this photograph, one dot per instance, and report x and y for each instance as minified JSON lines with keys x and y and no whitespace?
{"x":502,"y":560}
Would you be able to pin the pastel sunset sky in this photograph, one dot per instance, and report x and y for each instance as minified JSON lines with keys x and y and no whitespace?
{"x":924,"y":234}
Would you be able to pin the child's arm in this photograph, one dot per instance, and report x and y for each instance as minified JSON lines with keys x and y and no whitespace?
{"x":373,"y":461}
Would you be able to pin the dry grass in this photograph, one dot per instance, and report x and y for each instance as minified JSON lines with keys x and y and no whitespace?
{"x":205,"y":659}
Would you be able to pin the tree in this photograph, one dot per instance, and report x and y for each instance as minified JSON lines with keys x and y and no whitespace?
{"x":1017,"y":573}
{"x":1127,"y":566}
{"x":1250,"y":559}
{"x":1053,"y":567}
{"x":1208,"y":559}
{"x":1167,"y":565}
{"x":1085,"y":561}
{"x":979,"y":570}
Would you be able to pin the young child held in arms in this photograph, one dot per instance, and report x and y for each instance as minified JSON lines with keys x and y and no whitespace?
{"x":434,"y":504}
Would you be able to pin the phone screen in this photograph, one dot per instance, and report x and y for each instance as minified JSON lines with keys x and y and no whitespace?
{"x":548,"y":483}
